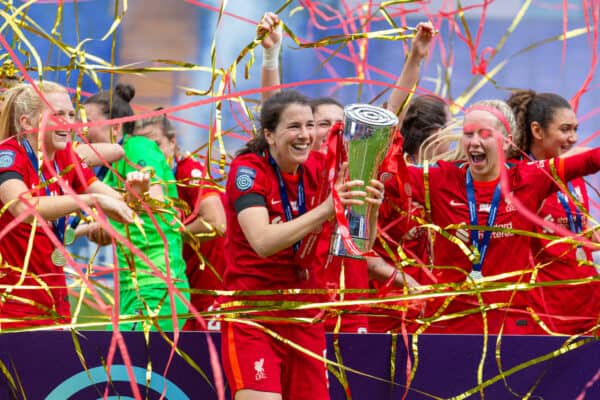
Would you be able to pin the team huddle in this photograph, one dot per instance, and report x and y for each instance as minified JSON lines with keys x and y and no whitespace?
{"x":487,"y":231}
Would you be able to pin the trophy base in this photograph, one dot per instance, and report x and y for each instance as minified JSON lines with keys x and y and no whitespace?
{"x":337,"y":248}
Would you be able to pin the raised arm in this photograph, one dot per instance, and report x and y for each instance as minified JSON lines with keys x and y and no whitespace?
{"x":270,"y":24}
{"x":411,"y":70}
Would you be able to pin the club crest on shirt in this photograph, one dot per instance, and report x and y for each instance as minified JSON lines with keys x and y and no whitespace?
{"x":244,"y":178}
{"x":7,"y":158}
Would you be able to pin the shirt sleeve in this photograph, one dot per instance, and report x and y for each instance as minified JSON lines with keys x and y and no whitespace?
{"x":80,"y":176}
{"x":192,"y":186}
{"x":246,"y":183}
{"x":14,"y":164}
{"x":542,"y":174}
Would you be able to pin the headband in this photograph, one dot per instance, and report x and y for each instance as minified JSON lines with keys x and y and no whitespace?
{"x":495,"y":112}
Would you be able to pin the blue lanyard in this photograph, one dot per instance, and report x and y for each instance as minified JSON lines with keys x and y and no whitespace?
{"x":575,"y":225}
{"x":473,"y":220}
{"x":285,"y":201}
{"x":58,"y":226}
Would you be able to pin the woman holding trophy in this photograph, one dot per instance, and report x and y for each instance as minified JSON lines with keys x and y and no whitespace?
{"x":274,"y":202}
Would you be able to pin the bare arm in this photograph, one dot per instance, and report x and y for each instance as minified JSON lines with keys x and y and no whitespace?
{"x":98,"y":154}
{"x":267,"y":239}
{"x":410,"y":70}
{"x":271,"y":25}
{"x":211,"y":217}
{"x":103,"y":188}
{"x":380,"y":270}
{"x":15,"y":193}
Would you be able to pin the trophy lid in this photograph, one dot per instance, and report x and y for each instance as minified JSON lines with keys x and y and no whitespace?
{"x":370,"y":115}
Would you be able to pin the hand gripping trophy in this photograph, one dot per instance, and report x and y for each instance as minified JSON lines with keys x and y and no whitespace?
{"x":368,"y":131}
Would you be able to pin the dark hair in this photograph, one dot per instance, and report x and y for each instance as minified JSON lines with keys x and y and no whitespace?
{"x":425,"y":115}
{"x":115,"y":104}
{"x":322,"y":101}
{"x":270,"y":114}
{"x":529,"y":106}
{"x":166,"y":126}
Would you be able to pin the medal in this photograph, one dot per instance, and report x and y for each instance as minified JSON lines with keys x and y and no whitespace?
{"x":58,"y":258}
{"x":475,"y":275}
{"x":69,"y":236}
{"x":580,"y":254}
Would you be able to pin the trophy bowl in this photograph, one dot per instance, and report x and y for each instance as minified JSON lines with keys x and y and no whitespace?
{"x":368,"y":131}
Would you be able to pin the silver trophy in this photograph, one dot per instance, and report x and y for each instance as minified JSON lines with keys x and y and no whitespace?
{"x":367,"y":134}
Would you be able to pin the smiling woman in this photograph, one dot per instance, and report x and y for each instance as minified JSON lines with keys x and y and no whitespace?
{"x":548,"y":128}
{"x":464,"y":196}
{"x":42,"y":180}
{"x":274,"y":202}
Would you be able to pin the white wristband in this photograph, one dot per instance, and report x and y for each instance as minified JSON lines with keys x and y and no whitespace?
{"x":271,"y":56}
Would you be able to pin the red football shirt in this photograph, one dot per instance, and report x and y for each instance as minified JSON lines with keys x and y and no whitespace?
{"x":252,"y":181}
{"x":530,"y":183}
{"x":193,"y":188}
{"x":47,"y":284}
{"x":566,"y":308}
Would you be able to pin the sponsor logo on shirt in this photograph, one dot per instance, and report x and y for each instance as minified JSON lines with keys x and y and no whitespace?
{"x":465,"y":236}
{"x":508,"y":226}
{"x":7,"y":158}
{"x":244,"y":178}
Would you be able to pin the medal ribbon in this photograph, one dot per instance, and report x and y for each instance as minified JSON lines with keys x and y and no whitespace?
{"x":473,"y":220}
{"x":575,"y":225}
{"x":58,"y":226}
{"x":285,"y":201}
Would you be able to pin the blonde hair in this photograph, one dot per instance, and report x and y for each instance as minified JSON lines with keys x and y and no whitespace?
{"x":450,"y":137}
{"x":21,"y":100}
{"x":504,"y":109}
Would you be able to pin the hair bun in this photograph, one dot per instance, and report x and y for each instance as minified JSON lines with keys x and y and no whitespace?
{"x":125,"y":91}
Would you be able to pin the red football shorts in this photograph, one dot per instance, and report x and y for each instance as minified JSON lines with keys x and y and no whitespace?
{"x":253,"y":359}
